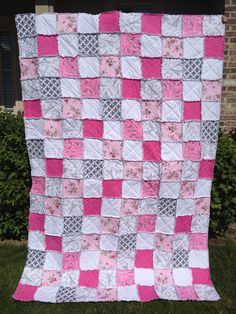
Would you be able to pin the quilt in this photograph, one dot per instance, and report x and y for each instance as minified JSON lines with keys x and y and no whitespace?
{"x":121,"y":116}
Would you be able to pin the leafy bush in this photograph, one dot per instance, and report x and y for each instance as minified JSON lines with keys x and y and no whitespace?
{"x":15,"y":178}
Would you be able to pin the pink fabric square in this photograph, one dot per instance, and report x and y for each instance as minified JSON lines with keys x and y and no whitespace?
{"x":151,"y":110}
{"x":130,"y":44}
{"x":186,"y":293}
{"x":146,"y":223}
{"x":201,"y":276}
{"x":108,"y":259}
{"x":188,"y":189}
{"x":131,"y":88}
{"x":151,"y":23}
{"x":144,"y":259}
{"x":129,"y":207}
{"x":198,"y":241}
{"x":69,"y":67}
{"x":71,"y":108}
{"x":192,"y":110}
{"x":53,"y":243}
{"x":150,"y":188}
{"x":151,"y":67}
{"x":47,"y":45}
{"x":53,"y":206}
{"x":214,"y":47}
{"x":50,"y":278}
{"x":183,"y":224}
{"x":53,"y":128}
{"x":106,"y":294}
{"x":110,"y":66}
{"x":202,"y":205}
{"x":72,"y":188}
{"x":112,"y":149}
{"x":92,"y":206}
{"x":212,"y":90}
{"x":109,"y":225}
{"x":89,"y":278}
{"x":54,"y":167}
{"x":93,"y":128}
{"x":171,"y":170}
{"x":112,"y":188}
{"x":163,"y":277}
{"x":206,"y":169}
{"x":32,"y":109}
{"x":171,"y":132}
{"x":192,"y":151}
{"x":125,"y":277}
{"x":89,"y":88}
{"x":38,"y":185}
{"x":192,"y":25}
{"x":172,"y":89}
{"x":152,"y":151}
{"x":133,"y":170}
{"x":147,"y":293}
{"x":172,"y":47}
{"x":25,"y":292}
{"x":90,"y":242}
{"x":132,"y":130}
{"x":73,"y":148}
{"x":36,"y":222}
{"x":109,"y":22}
{"x":67,"y":23}
{"x":163,"y":241}
{"x":28,"y":68}
{"x":70,"y":261}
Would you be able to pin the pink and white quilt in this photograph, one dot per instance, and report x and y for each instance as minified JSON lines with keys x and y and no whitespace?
{"x":121,"y":114}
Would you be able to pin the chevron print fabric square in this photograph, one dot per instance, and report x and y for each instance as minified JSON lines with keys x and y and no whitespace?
{"x":121,"y":116}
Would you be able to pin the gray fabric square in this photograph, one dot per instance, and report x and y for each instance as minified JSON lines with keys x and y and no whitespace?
{"x":66,"y":294}
{"x":50,"y":87}
{"x":88,"y":44}
{"x":72,"y":224}
{"x":111,"y":109}
{"x":192,"y":69}
{"x":127,"y":242}
{"x":180,"y":259}
{"x":209,"y":131}
{"x":25,"y":25}
{"x":93,"y":168}
{"x":35,"y":258}
{"x":167,"y":207}
{"x":35,"y":148}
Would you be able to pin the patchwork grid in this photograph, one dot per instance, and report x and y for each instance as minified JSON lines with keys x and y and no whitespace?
{"x":121,"y":116}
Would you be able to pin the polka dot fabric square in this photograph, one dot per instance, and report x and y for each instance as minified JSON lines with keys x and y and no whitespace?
{"x":121,"y":112}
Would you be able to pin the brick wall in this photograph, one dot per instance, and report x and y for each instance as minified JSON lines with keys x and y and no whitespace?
{"x":228,"y":113}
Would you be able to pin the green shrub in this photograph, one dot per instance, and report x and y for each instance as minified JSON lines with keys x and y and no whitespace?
{"x":15,"y":178}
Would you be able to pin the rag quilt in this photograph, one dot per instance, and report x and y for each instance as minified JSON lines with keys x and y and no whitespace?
{"x":121,"y":116}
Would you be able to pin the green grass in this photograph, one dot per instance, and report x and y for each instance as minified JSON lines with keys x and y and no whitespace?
{"x":222,"y":260}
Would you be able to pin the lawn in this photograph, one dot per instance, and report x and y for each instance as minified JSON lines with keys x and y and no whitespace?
{"x":223,"y":265}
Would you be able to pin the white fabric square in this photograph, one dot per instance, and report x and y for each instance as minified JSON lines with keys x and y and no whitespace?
{"x":151,"y":130}
{"x":198,"y":259}
{"x":110,"y":87}
{"x":107,"y":278}
{"x":131,"y":67}
{"x":151,"y":170}
{"x":92,"y":149}
{"x":89,"y":67}
{"x":53,"y":225}
{"x":112,"y":130}
{"x":108,"y":242}
{"x":132,"y":150}
{"x":171,"y":151}
{"x":213,"y":26}
{"x":48,"y":67}
{"x":151,"y":46}
{"x":212,"y":69}
{"x":31,"y":276}
{"x":191,"y":131}
{"x":92,"y":188}
{"x":128,"y":293}
{"x":151,"y":89}
{"x":70,"y":278}
{"x":181,"y":241}
{"x":109,"y":44}
{"x":113,"y":169}
{"x":34,"y":129}
{"x":91,"y":109}
{"x":46,"y":24}
{"x":192,"y":91}
{"x":72,"y":128}
{"x":36,"y":240}
{"x":208,"y":150}
{"x":89,"y":260}
{"x":211,"y":110}
{"x":130,"y":22}
{"x":111,"y":207}
{"x":73,"y":168}
{"x":182,"y":276}
{"x":72,"y":207}
{"x":125,"y":260}
{"x":203,"y":188}
{"x":169,"y":189}
{"x":144,"y":276}
{"x":28,"y":47}
{"x":51,"y":108}
{"x":37,"y":166}
{"x":53,"y":187}
{"x":71,"y":243}
{"x":165,"y":225}
{"x":70,"y":87}
{"x":172,"y":110}
{"x":37,"y":203}
{"x":88,"y":23}
{"x":53,"y":148}
{"x":190,"y":170}
{"x":171,"y":25}
{"x":46,"y":294}
{"x":68,"y":45}
{"x":172,"y":69}
{"x":200,"y":224}
{"x":145,"y":241}
{"x":91,"y":225}
{"x":185,"y":207}
{"x":193,"y":47}
{"x":127,"y":225}
{"x":131,"y":189}
{"x":53,"y":261}
{"x":130,"y":109}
